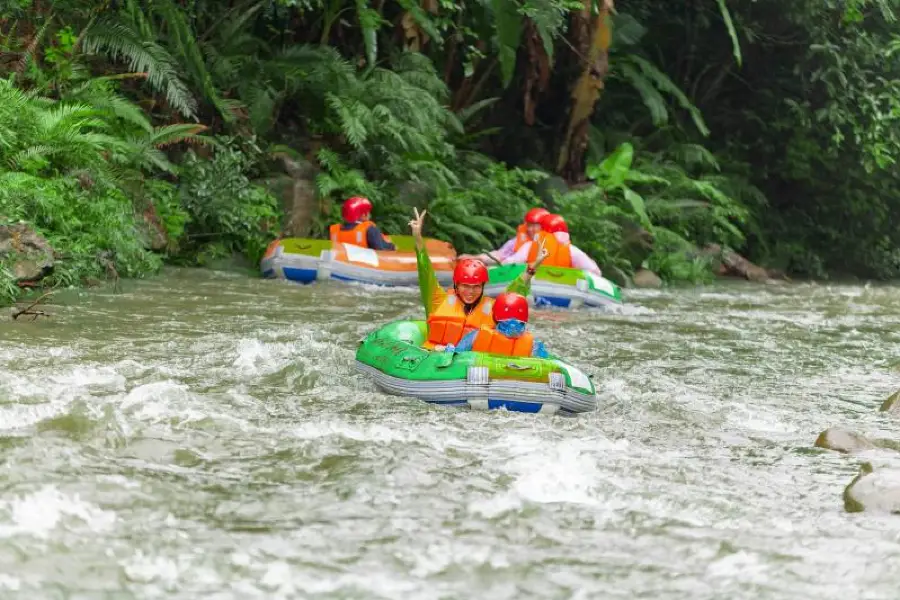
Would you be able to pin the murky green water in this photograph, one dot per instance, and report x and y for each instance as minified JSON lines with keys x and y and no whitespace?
{"x":205,"y":435}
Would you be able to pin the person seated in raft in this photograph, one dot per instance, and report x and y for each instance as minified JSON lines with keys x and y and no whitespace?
{"x":357,"y":229}
{"x":452,"y":313}
{"x":562,"y":253}
{"x":526,"y":232}
{"x":508,"y":336}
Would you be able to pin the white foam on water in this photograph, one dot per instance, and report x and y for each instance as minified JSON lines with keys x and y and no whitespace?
{"x":39,"y":513}
{"x":34,"y":396}
{"x":8,"y":582}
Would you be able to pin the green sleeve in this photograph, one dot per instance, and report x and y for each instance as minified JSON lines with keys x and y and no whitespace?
{"x":429,"y":287}
{"x":519,"y":286}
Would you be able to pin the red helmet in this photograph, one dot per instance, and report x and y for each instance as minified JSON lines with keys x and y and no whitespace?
{"x":470,"y":270}
{"x":553,"y":223}
{"x":510,"y":306}
{"x":534,"y":216}
{"x":354,"y":208}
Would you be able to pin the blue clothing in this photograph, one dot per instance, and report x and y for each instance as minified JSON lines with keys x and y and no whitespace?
{"x":468,"y":340}
{"x":374,"y":238}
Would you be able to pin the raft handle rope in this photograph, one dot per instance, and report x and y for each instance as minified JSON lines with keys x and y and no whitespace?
{"x":516,"y":367}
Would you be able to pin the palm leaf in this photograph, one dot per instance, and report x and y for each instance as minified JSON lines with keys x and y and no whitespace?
{"x":122,"y":42}
{"x":732,"y":32}
{"x":508,"y":24}
{"x":651,"y":97}
{"x":664,"y":84}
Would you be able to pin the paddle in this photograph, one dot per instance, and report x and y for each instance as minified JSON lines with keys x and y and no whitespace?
{"x":489,"y":255}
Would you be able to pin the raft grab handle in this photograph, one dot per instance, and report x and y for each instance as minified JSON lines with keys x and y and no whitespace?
{"x":516,"y":367}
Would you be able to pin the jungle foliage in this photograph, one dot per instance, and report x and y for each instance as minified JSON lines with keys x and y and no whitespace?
{"x":134,"y":132}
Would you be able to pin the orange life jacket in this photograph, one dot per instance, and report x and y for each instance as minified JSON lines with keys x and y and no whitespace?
{"x":492,"y":341}
{"x":560,"y":254}
{"x":354,"y":237}
{"x":521,"y":237}
{"x":449,"y":323}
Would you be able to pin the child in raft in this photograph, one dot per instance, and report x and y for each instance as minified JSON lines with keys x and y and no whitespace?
{"x":508,"y":336}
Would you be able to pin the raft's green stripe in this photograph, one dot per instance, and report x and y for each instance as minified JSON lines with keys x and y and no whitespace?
{"x":501,"y":274}
{"x":305,"y":246}
{"x":395,"y":350}
{"x":311,"y":247}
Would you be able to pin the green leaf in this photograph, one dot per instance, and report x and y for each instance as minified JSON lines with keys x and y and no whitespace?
{"x":637,"y":205}
{"x":612,"y":172}
{"x":664,"y":84}
{"x":732,"y":32}
{"x":369,"y":21}
{"x":508,"y":22}
{"x":653,"y":100}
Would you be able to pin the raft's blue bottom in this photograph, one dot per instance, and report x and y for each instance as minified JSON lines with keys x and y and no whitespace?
{"x":496,"y":404}
{"x":300,"y":275}
{"x":552,"y":301}
{"x":363,"y":281}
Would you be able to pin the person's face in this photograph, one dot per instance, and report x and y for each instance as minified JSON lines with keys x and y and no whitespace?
{"x":469,"y":293}
{"x":532,"y":229}
{"x":365,"y":216}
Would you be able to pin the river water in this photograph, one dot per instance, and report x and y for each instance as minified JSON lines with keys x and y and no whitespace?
{"x":204,"y":434}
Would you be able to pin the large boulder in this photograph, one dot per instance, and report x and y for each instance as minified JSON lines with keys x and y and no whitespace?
{"x":637,"y":243}
{"x":876,"y":490}
{"x":647,"y":279}
{"x":25,"y":252}
{"x":891,"y":404}
{"x":297,"y":190}
{"x":841,"y":440}
{"x":152,"y":231}
{"x":731,"y":264}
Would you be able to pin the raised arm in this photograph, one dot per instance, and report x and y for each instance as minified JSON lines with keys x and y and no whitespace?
{"x":522,"y":283}
{"x":430,"y":289}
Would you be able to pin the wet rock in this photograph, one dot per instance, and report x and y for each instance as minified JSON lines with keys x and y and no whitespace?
{"x":154,"y":234}
{"x":549,"y":188}
{"x":891,"y":404}
{"x":873,"y":490}
{"x":297,"y":191}
{"x":26,"y":253}
{"x":841,"y":440}
{"x":646,"y":279}
{"x":637,"y":243}
{"x":731,"y":264}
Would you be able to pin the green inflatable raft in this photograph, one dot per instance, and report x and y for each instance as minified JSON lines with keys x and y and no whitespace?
{"x":392,"y":355}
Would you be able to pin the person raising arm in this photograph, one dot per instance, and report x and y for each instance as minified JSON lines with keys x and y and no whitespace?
{"x":452,"y":313}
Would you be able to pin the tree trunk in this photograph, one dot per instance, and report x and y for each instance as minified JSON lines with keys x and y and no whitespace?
{"x":591,"y":42}
{"x":537,"y":71}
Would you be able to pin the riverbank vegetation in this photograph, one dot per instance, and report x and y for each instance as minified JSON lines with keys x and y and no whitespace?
{"x":138,"y":132}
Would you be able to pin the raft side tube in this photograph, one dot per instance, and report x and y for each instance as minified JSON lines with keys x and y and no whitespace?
{"x":392,"y":355}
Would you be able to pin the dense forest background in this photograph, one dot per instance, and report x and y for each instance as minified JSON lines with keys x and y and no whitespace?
{"x":138,"y":132}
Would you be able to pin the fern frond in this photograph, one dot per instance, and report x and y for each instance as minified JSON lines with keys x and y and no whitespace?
{"x":651,"y":97}
{"x":179,"y":132}
{"x":123,"y":42}
{"x":664,"y":84}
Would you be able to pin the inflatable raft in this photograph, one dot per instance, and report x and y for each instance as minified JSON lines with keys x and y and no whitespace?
{"x":307,"y":260}
{"x":392,"y":355}
{"x":558,"y":286}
